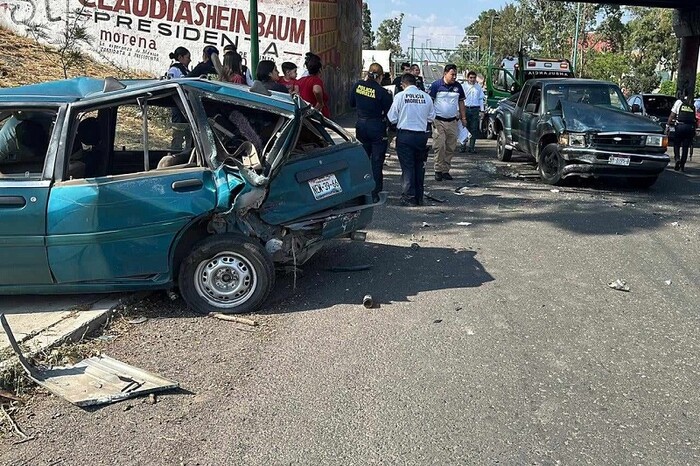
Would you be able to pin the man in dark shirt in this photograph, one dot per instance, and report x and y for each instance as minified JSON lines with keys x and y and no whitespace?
{"x":373,"y":103}
{"x":405,"y":68}
{"x":415,"y":71}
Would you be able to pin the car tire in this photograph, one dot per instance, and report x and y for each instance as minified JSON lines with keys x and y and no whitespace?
{"x":502,"y":153}
{"x":642,"y":183}
{"x":226,"y":273}
{"x":551,"y":164}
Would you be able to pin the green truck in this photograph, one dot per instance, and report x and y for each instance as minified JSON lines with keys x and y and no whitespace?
{"x":509,"y":77}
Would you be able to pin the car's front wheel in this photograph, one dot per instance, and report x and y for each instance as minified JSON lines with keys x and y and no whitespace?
{"x":502,"y":153}
{"x":551,"y":164}
{"x":226,"y":273}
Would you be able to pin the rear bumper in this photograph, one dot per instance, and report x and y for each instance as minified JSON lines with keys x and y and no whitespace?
{"x":340,"y":222}
{"x":592,"y":162}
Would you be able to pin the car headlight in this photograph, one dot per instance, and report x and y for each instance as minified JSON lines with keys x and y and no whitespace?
{"x":657,"y":141}
{"x":573,"y":140}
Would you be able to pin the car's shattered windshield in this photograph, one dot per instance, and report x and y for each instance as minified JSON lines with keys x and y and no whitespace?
{"x":599,"y":95}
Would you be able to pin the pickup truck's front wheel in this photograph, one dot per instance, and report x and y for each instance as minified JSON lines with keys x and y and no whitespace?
{"x":551,"y":164}
{"x":502,"y":153}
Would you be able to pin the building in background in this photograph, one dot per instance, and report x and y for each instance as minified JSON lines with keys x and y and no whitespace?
{"x":139,"y":34}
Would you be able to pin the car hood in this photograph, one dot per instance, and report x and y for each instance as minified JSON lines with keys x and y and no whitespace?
{"x":581,"y":118}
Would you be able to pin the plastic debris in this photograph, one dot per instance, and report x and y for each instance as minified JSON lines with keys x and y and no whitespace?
{"x":675,"y":224}
{"x":554,"y":191}
{"x":462,"y":190}
{"x":367,"y":301}
{"x":668,"y":282}
{"x":463,"y":224}
{"x":425,"y":225}
{"x":619,"y":285}
{"x":415,"y":246}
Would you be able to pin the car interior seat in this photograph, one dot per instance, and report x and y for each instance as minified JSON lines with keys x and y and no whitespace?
{"x":86,"y":152}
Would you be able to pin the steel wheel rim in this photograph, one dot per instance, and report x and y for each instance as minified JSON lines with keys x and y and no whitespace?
{"x":501,"y":143}
{"x":226,"y":280}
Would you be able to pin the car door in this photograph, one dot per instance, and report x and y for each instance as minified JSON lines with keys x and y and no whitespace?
{"x":517,"y":116}
{"x":324,"y":169}
{"x":25,"y":180}
{"x":120,"y":219}
{"x":529,"y":119}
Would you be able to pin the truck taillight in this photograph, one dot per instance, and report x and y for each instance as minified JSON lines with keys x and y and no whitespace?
{"x":564,"y":66}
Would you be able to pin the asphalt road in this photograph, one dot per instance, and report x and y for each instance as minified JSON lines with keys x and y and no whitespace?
{"x":497,"y":342}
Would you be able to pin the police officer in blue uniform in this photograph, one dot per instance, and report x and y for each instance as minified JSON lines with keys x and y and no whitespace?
{"x":683,"y":117}
{"x":372,"y":102}
{"x":412,"y":111}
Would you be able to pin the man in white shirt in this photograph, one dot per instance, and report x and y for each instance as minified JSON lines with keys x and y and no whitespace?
{"x":412,"y":112}
{"x":474,"y":103}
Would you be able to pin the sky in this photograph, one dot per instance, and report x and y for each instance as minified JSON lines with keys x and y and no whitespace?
{"x":436,"y":24}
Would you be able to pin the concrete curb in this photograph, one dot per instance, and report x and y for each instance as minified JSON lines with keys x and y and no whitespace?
{"x":73,"y":328}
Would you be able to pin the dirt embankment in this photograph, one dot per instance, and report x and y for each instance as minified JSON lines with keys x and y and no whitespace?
{"x":25,"y":61}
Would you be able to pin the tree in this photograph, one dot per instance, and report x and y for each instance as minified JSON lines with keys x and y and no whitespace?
{"x":72,"y":37}
{"x":505,"y":36}
{"x":389,"y":34}
{"x":367,"y":33}
{"x":652,"y":46}
{"x":609,"y":66}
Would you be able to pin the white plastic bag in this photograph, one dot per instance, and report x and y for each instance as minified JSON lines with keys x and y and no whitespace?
{"x":463,"y":134}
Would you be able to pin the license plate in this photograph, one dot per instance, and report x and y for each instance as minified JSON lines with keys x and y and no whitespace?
{"x":624,"y":161}
{"x":325,"y":186}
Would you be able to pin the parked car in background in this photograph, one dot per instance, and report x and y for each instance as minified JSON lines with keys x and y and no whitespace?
{"x":579,"y":127}
{"x":656,"y":107}
{"x":109,"y":186}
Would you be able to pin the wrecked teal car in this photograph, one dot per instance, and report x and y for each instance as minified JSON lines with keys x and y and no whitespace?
{"x":110,"y":185}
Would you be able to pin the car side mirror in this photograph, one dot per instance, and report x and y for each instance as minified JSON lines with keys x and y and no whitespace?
{"x":531,"y":108}
{"x":636,"y":108}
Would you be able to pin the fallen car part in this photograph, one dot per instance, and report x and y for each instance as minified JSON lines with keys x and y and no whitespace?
{"x":350,"y":268}
{"x":237,"y":319}
{"x":94,"y":381}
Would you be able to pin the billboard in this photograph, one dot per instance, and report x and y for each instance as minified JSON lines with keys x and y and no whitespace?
{"x":139,"y":34}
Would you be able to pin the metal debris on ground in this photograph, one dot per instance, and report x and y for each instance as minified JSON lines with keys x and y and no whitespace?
{"x":463,"y":224}
{"x":425,"y":225}
{"x":668,"y":282}
{"x":349,"y":268}
{"x":415,"y":246}
{"x":461,"y":191}
{"x":433,"y":198}
{"x":137,"y":320}
{"x":94,"y":381}
{"x":619,"y":285}
{"x":367,"y":301}
{"x":237,"y":319}
{"x":675,"y":224}
{"x":554,"y":191}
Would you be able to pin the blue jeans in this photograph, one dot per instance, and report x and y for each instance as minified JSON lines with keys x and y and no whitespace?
{"x":411,"y":149}
{"x":372,"y":135}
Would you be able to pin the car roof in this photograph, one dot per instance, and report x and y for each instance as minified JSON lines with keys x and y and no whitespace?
{"x":85,"y":89}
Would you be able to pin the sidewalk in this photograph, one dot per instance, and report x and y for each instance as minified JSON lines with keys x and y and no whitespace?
{"x":41,"y":322}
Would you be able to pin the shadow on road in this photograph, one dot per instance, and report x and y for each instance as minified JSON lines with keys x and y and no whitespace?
{"x":397,"y":273}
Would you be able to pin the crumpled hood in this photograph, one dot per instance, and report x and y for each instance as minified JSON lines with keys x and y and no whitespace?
{"x":580,"y":118}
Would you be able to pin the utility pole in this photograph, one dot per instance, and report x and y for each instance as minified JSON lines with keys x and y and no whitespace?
{"x":413,"y":38}
{"x":578,"y":25}
{"x":254,"y":45}
{"x":493,"y":16}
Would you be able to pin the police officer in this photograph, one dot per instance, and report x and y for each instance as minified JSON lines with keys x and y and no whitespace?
{"x":412,"y":111}
{"x":683,"y":116}
{"x":372,"y":102}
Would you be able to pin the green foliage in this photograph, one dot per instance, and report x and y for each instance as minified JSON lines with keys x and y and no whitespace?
{"x":367,"y":33}
{"x":389,"y":33}
{"x":609,"y":66}
{"x":72,"y":38}
{"x":668,"y":87}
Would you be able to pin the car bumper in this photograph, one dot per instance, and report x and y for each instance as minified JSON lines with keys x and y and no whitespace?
{"x":340,"y":222}
{"x":592,"y":162}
